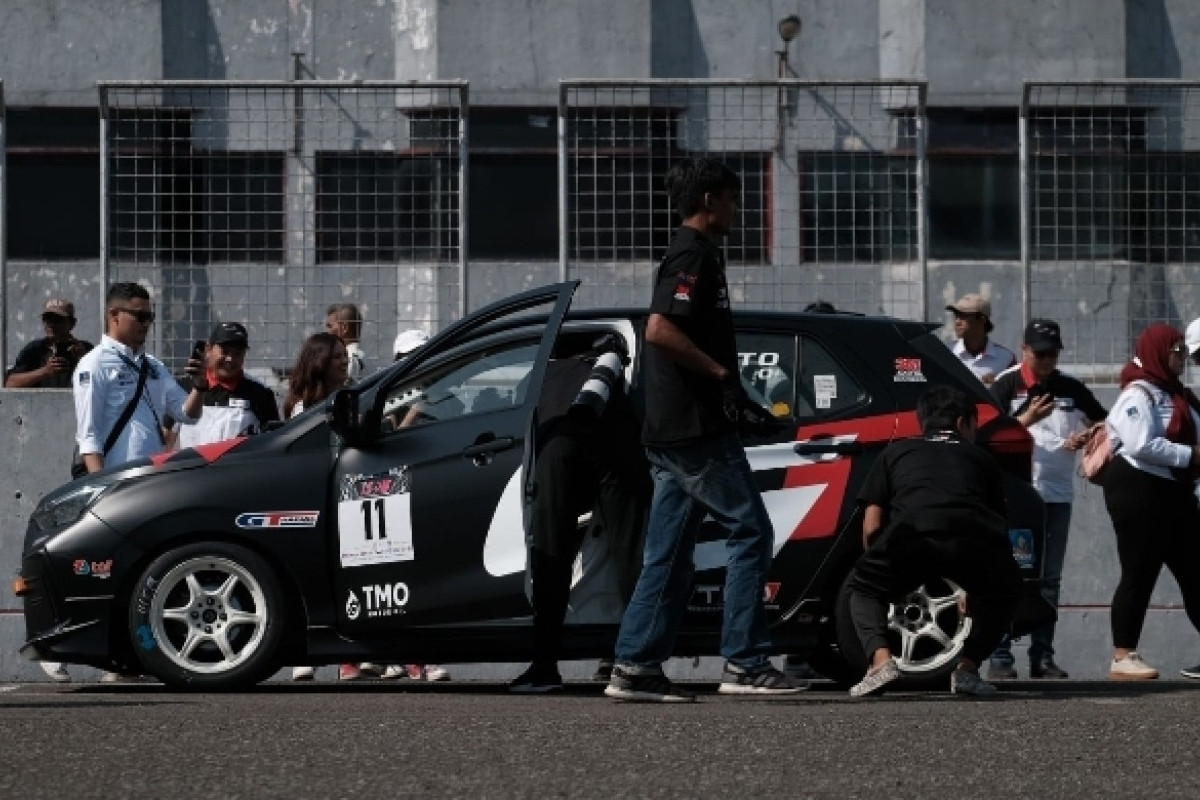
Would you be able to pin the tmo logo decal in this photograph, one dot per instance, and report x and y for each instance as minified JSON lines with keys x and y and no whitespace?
{"x":278,"y":519}
{"x":378,"y":601}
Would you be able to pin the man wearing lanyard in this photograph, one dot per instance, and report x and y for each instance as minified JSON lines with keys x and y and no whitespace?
{"x":105,"y":379}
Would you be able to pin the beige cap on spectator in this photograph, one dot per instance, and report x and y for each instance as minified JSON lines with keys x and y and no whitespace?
{"x":59,"y":307}
{"x":973,"y":303}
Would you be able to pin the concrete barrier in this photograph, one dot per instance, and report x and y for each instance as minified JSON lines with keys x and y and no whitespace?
{"x":36,"y":437}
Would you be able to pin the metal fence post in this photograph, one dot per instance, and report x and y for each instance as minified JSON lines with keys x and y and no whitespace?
{"x":3,"y":240}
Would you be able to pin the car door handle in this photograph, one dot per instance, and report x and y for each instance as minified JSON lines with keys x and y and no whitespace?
{"x":482,"y":451}
{"x":822,"y":448}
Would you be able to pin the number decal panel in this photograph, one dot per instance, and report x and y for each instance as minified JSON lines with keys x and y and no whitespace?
{"x":375,"y":519}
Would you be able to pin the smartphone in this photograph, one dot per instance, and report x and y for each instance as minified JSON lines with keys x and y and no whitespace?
{"x":62,"y":351}
{"x":198,"y":348}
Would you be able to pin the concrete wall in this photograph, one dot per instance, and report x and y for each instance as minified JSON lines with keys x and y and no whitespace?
{"x":35,"y":436}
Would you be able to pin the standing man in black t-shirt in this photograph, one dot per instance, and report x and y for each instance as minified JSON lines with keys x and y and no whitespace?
{"x":933,"y":507}
{"x":694,"y":401}
{"x":47,"y":363}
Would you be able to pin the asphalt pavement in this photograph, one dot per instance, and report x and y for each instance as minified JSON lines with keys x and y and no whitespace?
{"x":370,"y":741}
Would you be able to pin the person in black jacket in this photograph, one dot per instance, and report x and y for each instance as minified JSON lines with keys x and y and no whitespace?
{"x":582,"y":463}
{"x":933,"y":507}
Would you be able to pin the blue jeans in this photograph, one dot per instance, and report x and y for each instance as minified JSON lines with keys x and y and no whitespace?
{"x":1041,"y":641}
{"x":707,"y":477}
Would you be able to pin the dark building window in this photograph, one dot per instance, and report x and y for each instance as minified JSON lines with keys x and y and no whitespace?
{"x":374,"y":207}
{"x":974,"y":184}
{"x":53,"y":175}
{"x":171,"y":202}
{"x":857,"y":206}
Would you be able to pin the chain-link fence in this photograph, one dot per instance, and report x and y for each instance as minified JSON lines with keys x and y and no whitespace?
{"x":267,"y":202}
{"x":832,"y":187}
{"x":1111,"y":212}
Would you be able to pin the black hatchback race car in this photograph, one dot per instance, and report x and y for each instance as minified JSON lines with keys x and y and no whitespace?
{"x":345,"y":536}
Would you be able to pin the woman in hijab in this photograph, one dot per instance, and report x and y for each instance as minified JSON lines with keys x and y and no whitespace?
{"x":1148,"y":491}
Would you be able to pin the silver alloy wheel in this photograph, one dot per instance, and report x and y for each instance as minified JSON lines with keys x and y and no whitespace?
{"x":217,"y":617}
{"x":931,"y":627}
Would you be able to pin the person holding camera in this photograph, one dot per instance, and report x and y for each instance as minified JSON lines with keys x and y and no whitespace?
{"x":47,"y":363}
{"x":1058,"y":410}
{"x":234,"y":403}
{"x":695,"y":406}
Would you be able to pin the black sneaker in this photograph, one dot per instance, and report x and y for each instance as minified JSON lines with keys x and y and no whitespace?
{"x":1190,"y":672}
{"x":1046,"y":668}
{"x":768,"y":681}
{"x":603,"y":673}
{"x":537,"y":680}
{"x":646,"y":688}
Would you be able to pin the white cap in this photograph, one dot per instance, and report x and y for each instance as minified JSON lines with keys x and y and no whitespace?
{"x":1192,"y":337}
{"x":407,"y":341}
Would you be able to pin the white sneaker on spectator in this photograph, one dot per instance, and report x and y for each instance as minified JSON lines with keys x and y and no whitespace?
{"x":393,"y":672}
{"x":1131,"y":668}
{"x":303,"y":673}
{"x":370,"y":670}
{"x":435,"y":673}
{"x":56,"y":671}
{"x":117,"y":677}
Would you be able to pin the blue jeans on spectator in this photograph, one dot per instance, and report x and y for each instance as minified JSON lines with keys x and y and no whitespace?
{"x":1041,"y":641}
{"x":706,"y":477}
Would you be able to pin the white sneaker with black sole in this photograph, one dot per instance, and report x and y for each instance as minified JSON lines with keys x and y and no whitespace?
{"x":769,"y":681}
{"x":876,"y":680}
{"x":1191,"y":672}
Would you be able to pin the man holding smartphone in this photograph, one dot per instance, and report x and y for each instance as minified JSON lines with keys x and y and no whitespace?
{"x":47,"y":363}
{"x":1058,"y":410}
{"x":234,"y":403}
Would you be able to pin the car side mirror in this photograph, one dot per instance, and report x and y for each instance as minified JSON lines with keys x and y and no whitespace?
{"x":342,"y":415}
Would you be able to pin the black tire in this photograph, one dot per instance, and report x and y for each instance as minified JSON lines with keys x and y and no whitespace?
{"x":207,"y":617}
{"x":930,"y":665}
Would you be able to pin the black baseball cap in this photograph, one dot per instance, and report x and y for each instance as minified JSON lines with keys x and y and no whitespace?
{"x":1043,"y":336}
{"x":229,"y":333}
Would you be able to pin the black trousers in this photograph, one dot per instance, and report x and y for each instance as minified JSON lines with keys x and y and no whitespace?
{"x":574,"y":475}
{"x":1157,"y":522}
{"x":902,"y":559}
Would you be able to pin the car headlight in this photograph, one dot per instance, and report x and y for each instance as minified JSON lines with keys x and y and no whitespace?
{"x":66,"y":508}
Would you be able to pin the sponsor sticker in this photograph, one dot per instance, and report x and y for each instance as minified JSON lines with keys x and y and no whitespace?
{"x":825,"y":390}
{"x":378,"y":601}
{"x":908,"y":370}
{"x":375,"y":518}
{"x":96,"y":569}
{"x":277,"y":519}
{"x":85,"y":378}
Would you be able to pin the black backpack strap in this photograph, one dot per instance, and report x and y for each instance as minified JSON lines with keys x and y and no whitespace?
{"x":127,"y":413}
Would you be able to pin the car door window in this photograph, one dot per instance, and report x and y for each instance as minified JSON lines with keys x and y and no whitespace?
{"x":767,"y":362}
{"x":825,"y":387}
{"x":486,"y":380}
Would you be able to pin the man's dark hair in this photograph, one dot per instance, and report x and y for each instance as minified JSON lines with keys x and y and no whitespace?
{"x":939,"y":408}
{"x":689,"y":180}
{"x":820,"y":307}
{"x":124,"y":292}
{"x":348,"y":313}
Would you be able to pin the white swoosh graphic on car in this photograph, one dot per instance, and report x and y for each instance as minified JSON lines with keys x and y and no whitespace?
{"x":504,"y":549}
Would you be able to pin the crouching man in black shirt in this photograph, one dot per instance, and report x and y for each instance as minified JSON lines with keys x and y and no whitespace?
{"x":934,"y":508}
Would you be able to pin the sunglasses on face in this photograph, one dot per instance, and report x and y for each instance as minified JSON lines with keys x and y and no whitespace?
{"x":143,"y":317}
{"x":50,"y":319}
{"x":1179,"y":350}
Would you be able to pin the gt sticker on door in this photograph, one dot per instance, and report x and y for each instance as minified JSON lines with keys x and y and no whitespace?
{"x":375,"y":518}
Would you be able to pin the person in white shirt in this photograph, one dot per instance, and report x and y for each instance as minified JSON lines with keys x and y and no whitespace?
{"x":1191,"y":339}
{"x":344,"y":321}
{"x":105,"y":379}
{"x":1154,"y":427}
{"x":972,"y":324}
